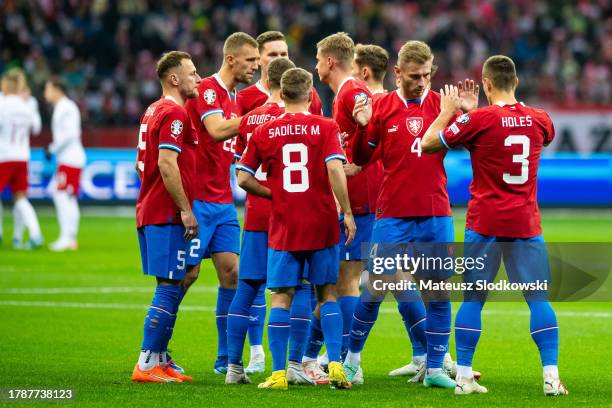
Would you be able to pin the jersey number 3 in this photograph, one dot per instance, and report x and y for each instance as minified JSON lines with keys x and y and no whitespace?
{"x":518,"y":158}
{"x":295,"y":166}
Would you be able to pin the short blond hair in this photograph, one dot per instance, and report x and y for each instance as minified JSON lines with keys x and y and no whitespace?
{"x":14,"y":79}
{"x":500,"y":70}
{"x":236,"y":41}
{"x":374,"y":57}
{"x":339,"y":46}
{"x":296,"y":85}
{"x":414,"y":51}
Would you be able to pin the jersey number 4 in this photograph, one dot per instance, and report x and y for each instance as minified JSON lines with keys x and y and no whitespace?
{"x":518,"y":158}
{"x":298,"y":166}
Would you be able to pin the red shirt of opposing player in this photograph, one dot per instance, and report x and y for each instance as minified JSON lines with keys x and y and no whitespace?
{"x":164,"y":125}
{"x":294,"y":149}
{"x":505,"y":144}
{"x":256,"y":95}
{"x":414,"y":183}
{"x":257,"y":208}
{"x":214,"y":159}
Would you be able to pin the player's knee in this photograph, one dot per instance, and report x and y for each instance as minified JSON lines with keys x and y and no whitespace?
{"x":228,"y":276}
{"x":191,"y":276}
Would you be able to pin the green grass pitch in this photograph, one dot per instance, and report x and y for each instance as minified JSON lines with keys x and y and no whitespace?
{"x":84,"y":337}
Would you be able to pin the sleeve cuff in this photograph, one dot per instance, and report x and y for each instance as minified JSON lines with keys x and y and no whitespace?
{"x":372,"y":144}
{"x":170,"y":147}
{"x":211,"y":112}
{"x":441,"y":136}
{"x":237,"y":156}
{"x":335,"y":157}
{"x":245,"y":168}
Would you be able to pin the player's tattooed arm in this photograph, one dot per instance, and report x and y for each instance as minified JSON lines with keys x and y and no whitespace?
{"x":468,"y":92}
{"x":337,"y":180}
{"x":171,"y":176}
{"x":450,"y":102}
{"x":250,"y":184}
{"x":221,"y":129}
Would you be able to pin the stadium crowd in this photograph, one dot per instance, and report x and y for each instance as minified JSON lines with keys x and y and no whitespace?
{"x":106,"y":49}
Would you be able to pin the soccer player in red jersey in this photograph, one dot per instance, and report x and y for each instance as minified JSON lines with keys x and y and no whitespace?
{"x":215,"y":115}
{"x":335,"y":55}
{"x":420,"y":213}
{"x":166,"y":165}
{"x":370,"y":66}
{"x":303,"y":158}
{"x":272,"y":44}
{"x":253,"y":259}
{"x":505,"y":140}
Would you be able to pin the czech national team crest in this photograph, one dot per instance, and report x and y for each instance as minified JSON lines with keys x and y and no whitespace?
{"x":176,"y":127}
{"x":209,"y":96}
{"x":414,"y":125}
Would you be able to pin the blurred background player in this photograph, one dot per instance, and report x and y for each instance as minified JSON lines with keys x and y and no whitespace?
{"x":272,"y":44}
{"x":18,"y":120}
{"x":214,"y":114}
{"x":253,"y":257}
{"x":419,"y":214}
{"x":505,"y":140}
{"x":370,"y":66}
{"x":166,"y":166}
{"x":303,"y":153}
{"x":70,"y":157}
{"x":335,"y":55}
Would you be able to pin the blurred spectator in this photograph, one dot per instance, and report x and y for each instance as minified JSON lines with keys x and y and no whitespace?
{"x":105,"y":49}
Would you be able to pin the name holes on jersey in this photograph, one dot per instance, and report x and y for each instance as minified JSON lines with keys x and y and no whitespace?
{"x":295,"y":166}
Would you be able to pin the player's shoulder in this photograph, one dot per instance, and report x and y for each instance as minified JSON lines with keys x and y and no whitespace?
{"x":249,"y":90}
{"x":536,"y":112}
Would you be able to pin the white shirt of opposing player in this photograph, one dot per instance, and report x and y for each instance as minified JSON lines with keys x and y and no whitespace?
{"x":66,"y":129}
{"x":17,"y":123}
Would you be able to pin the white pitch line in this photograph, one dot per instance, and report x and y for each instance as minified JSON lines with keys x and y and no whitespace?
{"x":102,"y":290}
{"x":80,"y":305}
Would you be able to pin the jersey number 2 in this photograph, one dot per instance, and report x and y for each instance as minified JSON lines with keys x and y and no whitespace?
{"x":295,"y":166}
{"x":518,"y":158}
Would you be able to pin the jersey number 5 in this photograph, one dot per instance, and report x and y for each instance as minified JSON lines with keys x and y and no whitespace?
{"x":518,"y":158}
{"x":295,"y":166}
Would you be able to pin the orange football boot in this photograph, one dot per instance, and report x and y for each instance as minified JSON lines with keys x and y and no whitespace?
{"x":180,"y":377}
{"x":156,"y":374}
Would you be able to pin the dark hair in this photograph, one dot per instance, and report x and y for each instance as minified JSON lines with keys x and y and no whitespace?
{"x":296,"y":85}
{"x":276,"y":68}
{"x":170,"y":60}
{"x":58,"y":83}
{"x":269,"y":36}
{"x":374,"y":57}
{"x":501,"y":71}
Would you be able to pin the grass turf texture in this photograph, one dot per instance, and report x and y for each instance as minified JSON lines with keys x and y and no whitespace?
{"x":90,"y":341}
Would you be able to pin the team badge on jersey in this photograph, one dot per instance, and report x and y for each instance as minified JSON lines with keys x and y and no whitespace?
{"x":176,"y":127}
{"x":209,"y":96}
{"x":463,"y":119}
{"x":361,"y":96}
{"x":414,"y":125}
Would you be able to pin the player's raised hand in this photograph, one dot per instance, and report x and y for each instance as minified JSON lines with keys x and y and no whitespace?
{"x":450,"y":101}
{"x":190,"y":223}
{"x":349,"y":228}
{"x":468,"y":92}
{"x":351,"y":169}
{"x":362,"y":111}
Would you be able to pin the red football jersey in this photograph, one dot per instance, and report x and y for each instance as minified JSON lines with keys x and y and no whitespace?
{"x":414,"y":183}
{"x":164,"y":125}
{"x":505,"y":144}
{"x":257,"y":213}
{"x":256,"y":95}
{"x":214,"y":159}
{"x":349,"y":91}
{"x":294,"y":149}
{"x":375,"y":174}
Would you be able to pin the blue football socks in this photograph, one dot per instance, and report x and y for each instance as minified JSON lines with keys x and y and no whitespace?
{"x":364,"y":318}
{"x":278,"y":337}
{"x":238,"y":317}
{"x":301,"y":314}
{"x":257,"y":317}
{"x":331,"y":323}
{"x":545,"y":331}
{"x":413,"y":314}
{"x":347,"y":306}
{"x":224,"y":300}
{"x":437,"y":332}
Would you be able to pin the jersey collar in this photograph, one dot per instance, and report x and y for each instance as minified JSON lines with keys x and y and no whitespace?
{"x":231,"y":95}
{"x":415,"y":100}
{"x":170,"y":98}
{"x":263,"y":90}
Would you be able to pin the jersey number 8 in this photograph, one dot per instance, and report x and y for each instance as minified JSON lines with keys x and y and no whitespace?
{"x":295,"y":166}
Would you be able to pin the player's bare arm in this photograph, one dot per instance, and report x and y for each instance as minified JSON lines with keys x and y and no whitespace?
{"x":450,"y":102}
{"x":337,"y":180}
{"x":250,"y":184}
{"x":468,"y":92}
{"x":171,"y":175}
{"x":362,"y":111}
{"x":221,"y":129}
